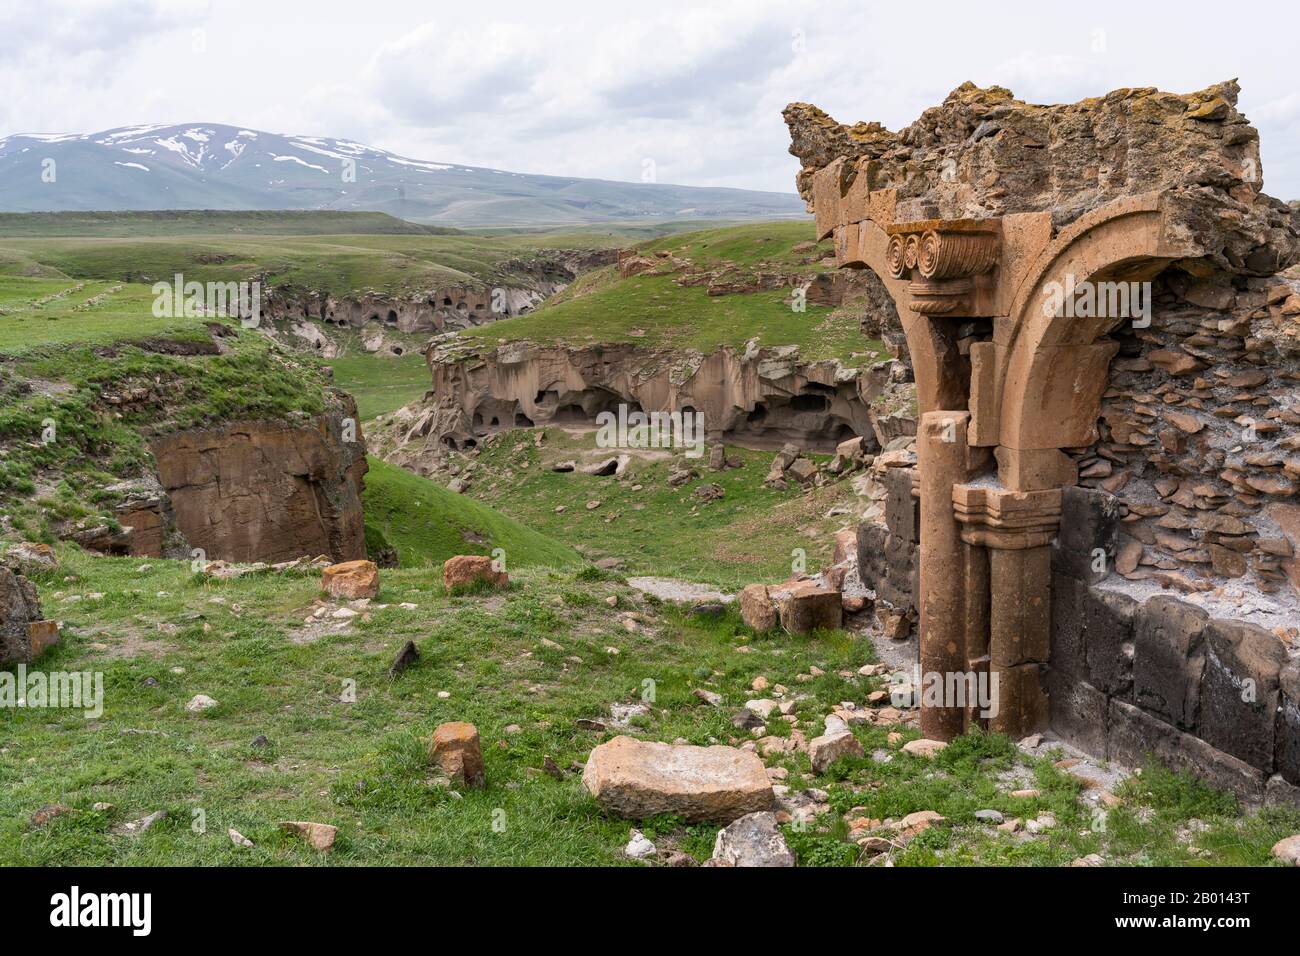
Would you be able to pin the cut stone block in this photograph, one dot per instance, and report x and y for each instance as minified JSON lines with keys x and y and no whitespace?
{"x":640,"y":779}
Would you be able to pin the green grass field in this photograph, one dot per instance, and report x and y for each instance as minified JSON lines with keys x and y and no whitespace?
{"x":339,"y":264}
{"x":161,"y":635}
{"x":653,"y":311}
{"x":380,"y":384}
{"x":281,"y":222}
{"x":750,"y":535}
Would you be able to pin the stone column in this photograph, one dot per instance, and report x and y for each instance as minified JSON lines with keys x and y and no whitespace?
{"x":942,"y":462}
{"x":1016,"y":527}
{"x":1019,"y":637}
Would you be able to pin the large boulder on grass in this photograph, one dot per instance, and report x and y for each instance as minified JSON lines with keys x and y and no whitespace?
{"x":456,"y":751}
{"x":640,"y":779}
{"x":804,"y":606}
{"x":465,"y":570}
{"x":757,"y":609}
{"x":351,"y":580}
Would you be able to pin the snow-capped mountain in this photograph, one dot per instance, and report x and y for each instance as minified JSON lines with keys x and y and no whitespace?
{"x":210,"y":166}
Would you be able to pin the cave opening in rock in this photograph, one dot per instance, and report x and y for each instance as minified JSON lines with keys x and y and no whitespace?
{"x":392,"y":318}
{"x":809,"y":403}
{"x":569,"y":415}
{"x":522,"y":420}
{"x":843,"y":433}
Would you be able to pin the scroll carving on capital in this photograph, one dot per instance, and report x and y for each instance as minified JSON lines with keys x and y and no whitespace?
{"x":946,"y":261}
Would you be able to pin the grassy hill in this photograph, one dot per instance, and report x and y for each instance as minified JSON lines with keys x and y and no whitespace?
{"x":656,"y":529}
{"x":657,"y":310}
{"x":65,"y":346}
{"x":427,"y":524}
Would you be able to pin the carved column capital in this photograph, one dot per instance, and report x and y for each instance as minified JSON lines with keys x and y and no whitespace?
{"x":1006,"y":520}
{"x":943,"y":259}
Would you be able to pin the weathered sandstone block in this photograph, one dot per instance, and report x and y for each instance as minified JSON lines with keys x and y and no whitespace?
{"x":824,"y":751}
{"x":456,"y":751}
{"x":757,"y":609}
{"x":319,"y":835}
{"x":804,"y":606}
{"x":753,"y":840}
{"x":268,"y":491}
{"x":41,"y":636}
{"x":467,"y":569}
{"x":351,"y":580}
{"x":1239,"y":690}
{"x":19,"y":607}
{"x":1169,"y":659}
{"x":639,"y":779}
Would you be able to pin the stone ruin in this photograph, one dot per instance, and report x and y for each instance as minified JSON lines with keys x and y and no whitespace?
{"x":1103,"y":338}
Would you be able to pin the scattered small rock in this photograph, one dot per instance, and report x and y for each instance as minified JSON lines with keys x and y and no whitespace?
{"x":319,"y":835}
{"x":753,"y":840}
{"x":639,"y":846}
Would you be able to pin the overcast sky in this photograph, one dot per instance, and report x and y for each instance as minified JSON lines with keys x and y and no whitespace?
{"x":598,"y":88}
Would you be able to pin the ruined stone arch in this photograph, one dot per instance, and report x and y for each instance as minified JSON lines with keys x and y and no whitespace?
{"x":1051,"y":370}
{"x":996,"y":413}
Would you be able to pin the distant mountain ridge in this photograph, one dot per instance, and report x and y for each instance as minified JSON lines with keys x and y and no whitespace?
{"x":212,"y":166}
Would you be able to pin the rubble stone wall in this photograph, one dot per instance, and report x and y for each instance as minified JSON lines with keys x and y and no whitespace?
{"x":887,"y":551}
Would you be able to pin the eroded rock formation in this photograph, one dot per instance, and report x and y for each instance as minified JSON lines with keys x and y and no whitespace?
{"x":758,"y":398}
{"x":20,"y":609}
{"x":520,"y":285}
{"x":982,"y":154}
{"x":269,"y":491}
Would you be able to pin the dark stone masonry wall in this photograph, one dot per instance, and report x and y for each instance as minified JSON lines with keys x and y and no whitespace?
{"x":1130,"y":677}
{"x":1176,"y":569}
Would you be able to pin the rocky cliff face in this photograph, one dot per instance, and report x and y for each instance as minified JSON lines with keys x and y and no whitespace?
{"x":521,"y":285}
{"x":269,"y":491}
{"x":758,"y":398}
{"x":983,"y":153}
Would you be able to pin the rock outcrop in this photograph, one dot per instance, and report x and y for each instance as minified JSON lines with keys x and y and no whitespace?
{"x":465,"y":570}
{"x":456,"y":751}
{"x":518,"y":286}
{"x":758,"y":398}
{"x":20,"y":609}
{"x":269,"y":491}
{"x":753,"y":840}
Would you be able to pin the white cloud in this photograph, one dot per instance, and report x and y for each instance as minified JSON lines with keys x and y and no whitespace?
{"x":591,"y":88}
